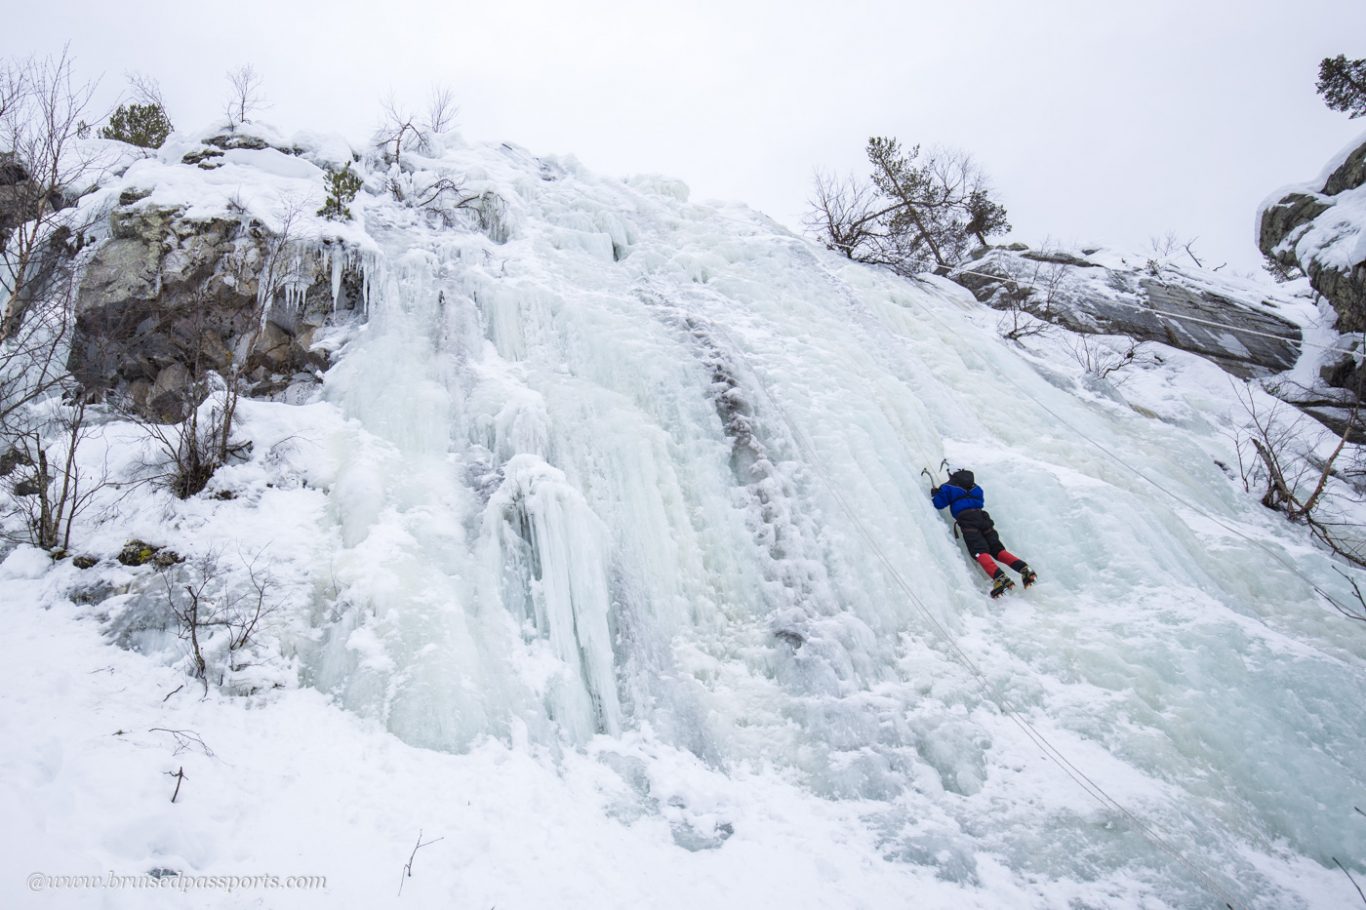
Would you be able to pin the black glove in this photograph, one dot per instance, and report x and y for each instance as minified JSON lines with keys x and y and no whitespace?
{"x":934,"y":491}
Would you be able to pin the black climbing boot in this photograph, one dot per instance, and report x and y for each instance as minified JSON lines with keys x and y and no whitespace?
{"x":1000,"y":584}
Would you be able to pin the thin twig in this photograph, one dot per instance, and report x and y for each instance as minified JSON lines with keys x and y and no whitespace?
{"x":185,"y":740}
{"x":408,"y":866}
{"x":179,"y":776}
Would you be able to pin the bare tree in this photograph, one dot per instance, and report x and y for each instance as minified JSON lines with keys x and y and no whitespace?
{"x":843,"y":213}
{"x":399,"y":131}
{"x":43,"y":423}
{"x":46,"y":484}
{"x":441,"y":109}
{"x":245,"y":97}
{"x":919,"y":210}
{"x":1166,"y":247}
{"x":1102,"y":362}
{"x":43,"y":415}
{"x":446,"y":196}
{"x":13,"y":85}
{"x":43,"y":107}
{"x":1027,"y":295}
{"x":189,"y":449}
{"x":218,"y":618}
{"x":32,"y":358}
{"x":1295,"y":481}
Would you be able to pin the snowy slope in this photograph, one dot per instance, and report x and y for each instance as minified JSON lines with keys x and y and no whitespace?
{"x":606,"y":557}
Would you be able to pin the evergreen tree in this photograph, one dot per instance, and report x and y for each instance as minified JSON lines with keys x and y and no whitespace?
{"x":342,"y":187}
{"x":1342,"y":83}
{"x":143,"y":125}
{"x":985,"y":217}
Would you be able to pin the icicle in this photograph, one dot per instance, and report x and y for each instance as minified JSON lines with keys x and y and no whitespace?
{"x":337,"y":264}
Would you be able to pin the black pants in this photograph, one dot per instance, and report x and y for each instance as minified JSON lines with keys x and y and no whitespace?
{"x":979,"y":532}
{"x":983,"y":543}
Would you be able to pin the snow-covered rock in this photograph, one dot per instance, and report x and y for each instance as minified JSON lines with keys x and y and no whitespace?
{"x":184,"y":276}
{"x":1244,"y":326}
{"x":1320,"y":228}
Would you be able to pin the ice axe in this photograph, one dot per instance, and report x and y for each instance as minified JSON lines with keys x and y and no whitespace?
{"x":934,"y":482}
{"x":934,"y":478}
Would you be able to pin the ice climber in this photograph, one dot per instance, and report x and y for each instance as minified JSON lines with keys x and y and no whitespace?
{"x":965,"y":500}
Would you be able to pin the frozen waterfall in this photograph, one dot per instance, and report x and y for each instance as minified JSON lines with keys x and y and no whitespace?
{"x":588,"y":493}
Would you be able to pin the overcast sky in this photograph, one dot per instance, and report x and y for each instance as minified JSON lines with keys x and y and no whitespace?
{"x":1105,"y":123}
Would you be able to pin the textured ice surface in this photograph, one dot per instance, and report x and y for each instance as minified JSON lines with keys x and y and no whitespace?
{"x":582,"y":507}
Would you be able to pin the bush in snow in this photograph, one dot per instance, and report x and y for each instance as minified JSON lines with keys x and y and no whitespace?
{"x":143,"y":125}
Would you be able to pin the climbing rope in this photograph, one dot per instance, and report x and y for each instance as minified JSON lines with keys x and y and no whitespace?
{"x":1178,"y":316}
{"x":1031,"y":732}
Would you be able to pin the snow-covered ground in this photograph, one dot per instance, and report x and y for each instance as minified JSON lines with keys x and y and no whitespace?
{"x":605,"y":561}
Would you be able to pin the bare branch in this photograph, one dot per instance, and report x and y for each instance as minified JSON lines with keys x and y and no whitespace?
{"x":43,"y":110}
{"x":441,"y":109}
{"x":399,"y":131}
{"x":1103,"y":362}
{"x":1359,"y":613}
{"x":185,"y":740}
{"x":408,"y":866}
{"x":1189,"y":252}
{"x":245,"y":97}
{"x":145,"y":89}
{"x":1286,"y":474}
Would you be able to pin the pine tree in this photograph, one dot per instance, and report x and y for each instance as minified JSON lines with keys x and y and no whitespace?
{"x":143,"y":125}
{"x":985,"y":217}
{"x":342,"y":187}
{"x":1342,"y":83}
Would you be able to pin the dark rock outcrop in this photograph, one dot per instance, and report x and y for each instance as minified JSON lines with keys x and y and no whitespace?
{"x":1187,"y":309}
{"x":167,"y":299}
{"x":140,"y":553}
{"x":1318,"y":230}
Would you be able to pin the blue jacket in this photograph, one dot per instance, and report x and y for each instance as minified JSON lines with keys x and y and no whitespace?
{"x":959,"y":499}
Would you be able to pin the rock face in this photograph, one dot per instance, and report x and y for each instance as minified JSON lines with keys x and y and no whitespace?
{"x":1320,"y":229}
{"x":1230,"y":322}
{"x":168,"y":299}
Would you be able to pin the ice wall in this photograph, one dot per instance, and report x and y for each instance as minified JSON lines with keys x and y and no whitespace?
{"x":615,"y":464}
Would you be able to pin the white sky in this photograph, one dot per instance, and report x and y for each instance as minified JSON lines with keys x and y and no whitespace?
{"x":1097,"y":122}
